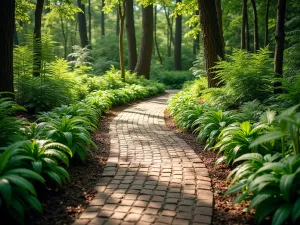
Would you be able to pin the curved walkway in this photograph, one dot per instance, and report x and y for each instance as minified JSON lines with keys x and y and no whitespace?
{"x":152,"y":176}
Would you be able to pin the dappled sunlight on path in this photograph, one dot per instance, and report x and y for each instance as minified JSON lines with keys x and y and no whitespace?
{"x":152,"y":176}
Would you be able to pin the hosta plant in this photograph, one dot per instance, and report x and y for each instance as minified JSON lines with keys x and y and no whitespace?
{"x":45,"y":156}
{"x":235,"y":139}
{"x":211,"y":123}
{"x":274,"y":191}
{"x":17,"y":194}
{"x":72,"y":133}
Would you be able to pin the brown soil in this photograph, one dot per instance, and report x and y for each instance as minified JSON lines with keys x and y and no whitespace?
{"x":225,"y":213}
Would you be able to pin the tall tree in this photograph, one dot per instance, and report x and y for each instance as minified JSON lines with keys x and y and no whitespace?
{"x":279,"y":46}
{"x":144,"y":60}
{"x":220,"y":18}
{"x":212,"y":40}
{"x":131,"y":39}
{"x":244,"y":18}
{"x":155,"y":34}
{"x":170,"y":37}
{"x":178,"y":40}
{"x":122,"y":15}
{"x":7,"y":27}
{"x":37,"y":35}
{"x":266,"y":42}
{"x":118,"y":24}
{"x":84,"y":41}
{"x":196,"y":41}
{"x":255,"y":22}
{"x":102,"y":18}
{"x":90,"y":21}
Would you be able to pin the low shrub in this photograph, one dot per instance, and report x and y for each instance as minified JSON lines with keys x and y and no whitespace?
{"x":173,"y":79}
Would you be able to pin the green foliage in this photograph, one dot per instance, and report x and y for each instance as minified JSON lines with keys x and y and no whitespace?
{"x":251,"y":111}
{"x":9,"y":125}
{"x":80,"y":56}
{"x":198,"y":68}
{"x":44,"y":155}
{"x":235,"y":139}
{"x":172,"y":79}
{"x":196,"y":87}
{"x":291,"y":94}
{"x":247,"y":76}
{"x":17,"y":193}
{"x":210,"y":125}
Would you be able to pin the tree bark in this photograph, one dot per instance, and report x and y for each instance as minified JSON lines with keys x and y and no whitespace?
{"x":243,"y":31}
{"x":122,"y":15}
{"x":155,"y":35}
{"x":64,"y":36}
{"x":220,"y":18}
{"x":90,"y":21}
{"x":84,"y":41}
{"x":144,"y":60}
{"x":247,"y":41}
{"x":131,"y":39}
{"x":178,"y":40}
{"x":102,"y":19}
{"x":212,"y":40}
{"x":279,"y":46}
{"x":267,"y":23}
{"x":37,"y":35}
{"x":7,"y":27}
{"x":255,"y":22}
{"x":118,"y":24}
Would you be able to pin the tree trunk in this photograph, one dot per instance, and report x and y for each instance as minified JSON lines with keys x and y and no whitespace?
{"x":178,"y":40}
{"x":220,"y":18}
{"x":255,"y":21}
{"x":144,"y":60}
{"x":155,"y":35}
{"x":64,"y":36}
{"x":37,"y":35}
{"x":247,"y":41}
{"x":7,"y":28}
{"x":267,"y":23}
{"x":243,"y":32}
{"x":196,"y":42}
{"x":118,"y":24}
{"x":84,"y":41}
{"x":122,"y":15}
{"x":279,"y":46}
{"x":102,"y":19}
{"x":212,"y":40}
{"x":90,"y":21}
{"x":131,"y":39}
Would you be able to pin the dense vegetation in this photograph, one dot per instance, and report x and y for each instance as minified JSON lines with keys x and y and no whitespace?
{"x":64,"y":63}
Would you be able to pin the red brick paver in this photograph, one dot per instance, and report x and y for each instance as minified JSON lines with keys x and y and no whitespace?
{"x":151,"y":176}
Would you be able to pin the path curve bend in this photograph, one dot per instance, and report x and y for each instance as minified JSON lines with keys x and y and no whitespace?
{"x":152,"y":176}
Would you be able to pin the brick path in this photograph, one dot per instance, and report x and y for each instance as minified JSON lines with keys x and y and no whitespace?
{"x":152,"y":176}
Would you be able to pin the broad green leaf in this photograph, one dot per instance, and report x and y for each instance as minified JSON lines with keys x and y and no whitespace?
{"x":282,"y":214}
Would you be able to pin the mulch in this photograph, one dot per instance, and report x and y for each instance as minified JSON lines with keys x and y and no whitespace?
{"x":225,"y":213}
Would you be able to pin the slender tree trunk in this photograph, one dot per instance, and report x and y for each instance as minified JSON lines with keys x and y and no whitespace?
{"x":267,"y":23}
{"x":37,"y":35}
{"x":64,"y":36}
{"x":247,"y":40}
{"x":122,"y":15}
{"x":144,"y":60}
{"x":220,"y":18}
{"x":279,"y":46}
{"x":169,"y":43}
{"x":170,"y":23}
{"x":155,"y":35}
{"x":118,"y":24}
{"x":212,"y":40}
{"x":84,"y":41}
{"x":178,"y":40}
{"x":90,"y":21}
{"x":243,"y":32}
{"x":7,"y":27}
{"x":102,"y":18}
{"x":196,"y":42}
{"x":131,"y":39}
{"x":255,"y":21}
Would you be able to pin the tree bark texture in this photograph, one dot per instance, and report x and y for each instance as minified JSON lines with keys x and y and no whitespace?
{"x":131,"y":39}
{"x":255,"y":22}
{"x":279,"y":45}
{"x":144,"y":60}
{"x":212,"y":41}
{"x":220,"y":18}
{"x":178,"y":40}
{"x":37,"y":36}
{"x":122,"y":15}
{"x":102,"y":18}
{"x":7,"y":27}
{"x":267,"y":23}
{"x":84,"y":41}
